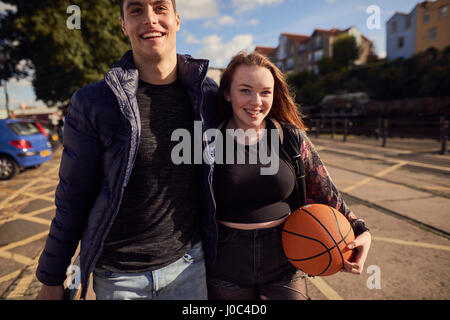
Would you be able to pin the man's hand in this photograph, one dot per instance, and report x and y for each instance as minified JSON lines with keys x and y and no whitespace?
{"x":51,"y":293}
{"x":361,"y":245}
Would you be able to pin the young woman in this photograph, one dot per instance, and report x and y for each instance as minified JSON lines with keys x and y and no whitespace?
{"x":251,"y":207}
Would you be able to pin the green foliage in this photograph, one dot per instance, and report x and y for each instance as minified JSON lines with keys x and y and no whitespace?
{"x":345,"y":50}
{"x":63,"y":60}
{"x":424,"y":74}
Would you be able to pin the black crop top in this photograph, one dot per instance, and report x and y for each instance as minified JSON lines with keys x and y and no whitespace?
{"x":244,"y":195}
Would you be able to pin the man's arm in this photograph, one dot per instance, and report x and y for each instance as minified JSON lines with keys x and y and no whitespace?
{"x":77,"y":190}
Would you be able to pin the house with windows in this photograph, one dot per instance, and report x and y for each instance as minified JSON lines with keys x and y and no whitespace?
{"x":286,"y":55}
{"x":433,"y":25}
{"x":267,"y":51}
{"x":298,"y":52}
{"x":400,"y":36}
{"x":426,"y":26}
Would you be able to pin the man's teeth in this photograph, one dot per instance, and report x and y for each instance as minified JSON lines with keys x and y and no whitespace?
{"x":152,"y":35}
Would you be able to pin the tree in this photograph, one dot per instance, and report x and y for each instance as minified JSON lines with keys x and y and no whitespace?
{"x":328,"y":65}
{"x":345,"y":50}
{"x":62,"y":60}
{"x":10,"y":64}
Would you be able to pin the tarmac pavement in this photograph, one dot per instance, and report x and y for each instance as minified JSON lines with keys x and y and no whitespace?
{"x":402,"y":192}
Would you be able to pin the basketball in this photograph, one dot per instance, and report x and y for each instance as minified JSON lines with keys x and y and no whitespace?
{"x":315,"y":239}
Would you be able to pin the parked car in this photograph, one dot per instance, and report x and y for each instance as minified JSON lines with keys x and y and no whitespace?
{"x":22,"y":145}
{"x":51,"y":135}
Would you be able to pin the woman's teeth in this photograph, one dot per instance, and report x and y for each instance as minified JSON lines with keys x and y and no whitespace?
{"x":253,"y":112}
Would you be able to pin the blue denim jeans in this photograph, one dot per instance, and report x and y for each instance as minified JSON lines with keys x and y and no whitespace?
{"x":184,"y":279}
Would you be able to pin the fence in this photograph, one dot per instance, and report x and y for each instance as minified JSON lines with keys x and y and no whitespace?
{"x":383,"y":128}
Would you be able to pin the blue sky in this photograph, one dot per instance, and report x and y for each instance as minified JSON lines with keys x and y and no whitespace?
{"x":217,"y":29}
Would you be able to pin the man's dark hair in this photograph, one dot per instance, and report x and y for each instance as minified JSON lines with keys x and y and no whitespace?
{"x":122,"y":11}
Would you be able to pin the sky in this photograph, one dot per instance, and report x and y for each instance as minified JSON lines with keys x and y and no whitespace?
{"x":218,"y":29}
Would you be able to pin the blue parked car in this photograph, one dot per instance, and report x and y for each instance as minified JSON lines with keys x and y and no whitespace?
{"x":22,"y":145}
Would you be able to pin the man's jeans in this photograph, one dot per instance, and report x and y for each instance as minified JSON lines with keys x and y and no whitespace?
{"x":184,"y":279}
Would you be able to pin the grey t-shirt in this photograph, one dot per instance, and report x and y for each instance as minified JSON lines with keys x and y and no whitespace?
{"x":158,"y":220}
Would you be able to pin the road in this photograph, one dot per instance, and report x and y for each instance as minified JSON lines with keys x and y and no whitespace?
{"x":401,"y":191}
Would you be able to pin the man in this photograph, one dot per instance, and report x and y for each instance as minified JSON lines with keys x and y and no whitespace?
{"x":136,"y":213}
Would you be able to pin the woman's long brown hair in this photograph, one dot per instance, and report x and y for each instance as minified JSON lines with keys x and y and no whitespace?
{"x":283,"y":107}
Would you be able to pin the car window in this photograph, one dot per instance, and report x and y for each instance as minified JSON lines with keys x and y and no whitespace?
{"x":23,"y":128}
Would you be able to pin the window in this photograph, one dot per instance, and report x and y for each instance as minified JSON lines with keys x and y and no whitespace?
{"x":407,"y":22}
{"x":400,"y":42}
{"x":318,"y":42}
{"x":315,"y":69}
{"x":443,"y":11}
{"x":302,"y":48}
{"x":318,"y":55}
{"x":23,"y":128}
{"x":426,"y":17}
{"x":290,"y":64}
{"x":432,"y":34}
{"x":394,"y":27}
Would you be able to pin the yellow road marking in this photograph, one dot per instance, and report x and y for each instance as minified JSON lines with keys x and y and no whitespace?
{"x":34,"y":219}
{"x":46,"y":196}
{"x":24,"y":241}
{"x":16,"y":257}
{"x":377,"y":175}
{"x":323,"y":287}
{"x":10,"y":276}
{"x":25,"y":282}
{"x":412,"y":243}
{"x":26,"y":216}
{"x":21,"y":287}
{"x":18,"y":192}
{"x":394,"y":160}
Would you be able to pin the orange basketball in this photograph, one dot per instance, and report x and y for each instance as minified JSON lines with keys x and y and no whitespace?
{"x":315,"y":239}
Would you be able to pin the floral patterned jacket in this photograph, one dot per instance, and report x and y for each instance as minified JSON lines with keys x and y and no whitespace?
{"x":319,"y":186}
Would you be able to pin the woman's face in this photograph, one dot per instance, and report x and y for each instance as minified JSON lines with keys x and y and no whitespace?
{"x":251,"y":96}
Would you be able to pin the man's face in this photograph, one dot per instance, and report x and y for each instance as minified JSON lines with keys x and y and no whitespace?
{"x":151,"y":26}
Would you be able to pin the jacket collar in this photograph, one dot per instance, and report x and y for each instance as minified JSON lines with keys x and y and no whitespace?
{"x":191,"y":72}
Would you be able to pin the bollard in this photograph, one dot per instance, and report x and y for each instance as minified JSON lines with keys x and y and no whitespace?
{"x":444,"y":135}
{"x":345,"y":130}
{"x":333,"y":128}
{"x":317,"y":128}
{"x":379,"y":128}
{"x":384,"y":132}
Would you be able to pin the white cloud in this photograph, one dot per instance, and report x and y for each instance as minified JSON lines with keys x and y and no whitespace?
{"x":218,"y":52}
{"x":245,"y":5}
{"x":253,"y":22}
{"x":224,"y":20}
{"x":6,"y":6}
{"x":197,"y":9}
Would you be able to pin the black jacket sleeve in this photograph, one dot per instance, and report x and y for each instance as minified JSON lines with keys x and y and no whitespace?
{"x":76,"y":192}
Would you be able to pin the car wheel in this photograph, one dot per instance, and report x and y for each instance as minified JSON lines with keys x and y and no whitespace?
{"x":8,"y":168}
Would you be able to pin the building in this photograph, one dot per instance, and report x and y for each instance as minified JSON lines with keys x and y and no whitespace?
{"x":286,"y":55}
{"x":426,"y":26}
{"x":297,"y":52}
{"x":433,"y":25}
{"x":266,"y":51}
{"x":400,"y":35}
{"x":49,"y":115}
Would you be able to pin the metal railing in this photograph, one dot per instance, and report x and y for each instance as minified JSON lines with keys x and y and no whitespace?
{"x":382,"y":128}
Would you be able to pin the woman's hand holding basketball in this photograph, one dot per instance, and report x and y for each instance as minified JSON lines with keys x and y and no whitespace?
{"x":361,"y":245}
